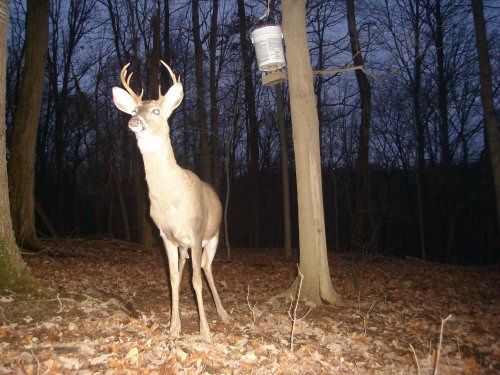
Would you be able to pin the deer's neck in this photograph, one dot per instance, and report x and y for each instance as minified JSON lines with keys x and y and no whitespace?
{"x":163,"y":174}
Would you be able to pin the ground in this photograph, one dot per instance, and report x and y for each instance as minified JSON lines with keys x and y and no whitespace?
{"x":109,"y":313}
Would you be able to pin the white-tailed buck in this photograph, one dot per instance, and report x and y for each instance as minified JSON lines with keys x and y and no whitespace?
{"x":186,"y":210}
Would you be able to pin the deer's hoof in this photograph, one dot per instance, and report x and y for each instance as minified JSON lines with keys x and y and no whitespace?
{"x":175,"y":331}
{"x":225,"y":317}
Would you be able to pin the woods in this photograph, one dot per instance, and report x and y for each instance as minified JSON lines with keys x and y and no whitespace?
{"x":405,"y":151}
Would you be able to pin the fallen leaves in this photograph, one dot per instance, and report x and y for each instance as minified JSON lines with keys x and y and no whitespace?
{"x":111,"y":308}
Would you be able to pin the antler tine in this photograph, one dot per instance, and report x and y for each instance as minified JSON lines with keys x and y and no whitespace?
{"x":174,"y":78}
{"x":126,"y":83}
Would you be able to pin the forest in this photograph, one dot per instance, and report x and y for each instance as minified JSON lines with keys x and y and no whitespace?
{"x":358,"y":228}
{"x":427,"y":188}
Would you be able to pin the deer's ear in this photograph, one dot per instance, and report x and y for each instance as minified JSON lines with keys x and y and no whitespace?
{"x":123,"y":101}
{"x":172,"y":99}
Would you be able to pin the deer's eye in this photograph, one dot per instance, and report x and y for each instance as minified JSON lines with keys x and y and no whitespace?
{"x":156,"y":111}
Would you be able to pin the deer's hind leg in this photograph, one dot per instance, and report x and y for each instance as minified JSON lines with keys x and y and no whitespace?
{"x":196,"y":256}
{"x":208,"y":257}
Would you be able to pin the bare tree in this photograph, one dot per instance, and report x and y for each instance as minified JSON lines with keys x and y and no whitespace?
{"x":14,"y":273}
{"x":317,"y":284}
{"x":25,"y":127}
{"x":206,"y":170}
{"x":253,"y":129}
{"x":490,"y":119}
{"x":362,"y":171}
{"x":63,"y":47}
{"x":285,"y":178}
{"x":213,"y":87}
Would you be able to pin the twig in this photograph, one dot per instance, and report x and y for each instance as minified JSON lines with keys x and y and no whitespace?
{"x":438,"y":354}
{"x":366,"y":316}
{"x":293,"y":317}
{"x":252,"y":308}
{"x":37,"y":362}
{"x":416,"y":359}
{"x":60,"y":304}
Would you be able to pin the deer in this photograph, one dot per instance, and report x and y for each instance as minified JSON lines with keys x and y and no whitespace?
{"x":186,"y":210}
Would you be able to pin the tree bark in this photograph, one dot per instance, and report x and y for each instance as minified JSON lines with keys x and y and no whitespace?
{"x":24,"y":135}
{"x":362,"y":171}
{"x":206,"y":170}
{"x":146,"y":237}
{"x":253,"y":133}
{"x":285,"y":178}
{"x":214,"y":108}
{"x":317,"y":284}
{"x":418,"y":58}
{"x":14,"y":273}
{"x":490,"y":120}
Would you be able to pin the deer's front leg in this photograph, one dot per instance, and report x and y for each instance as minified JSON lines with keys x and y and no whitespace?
{"x":173,"y":266}
{"x":196,"y":255}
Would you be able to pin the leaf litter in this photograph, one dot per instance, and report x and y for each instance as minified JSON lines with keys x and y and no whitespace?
{"x":109,"y":310}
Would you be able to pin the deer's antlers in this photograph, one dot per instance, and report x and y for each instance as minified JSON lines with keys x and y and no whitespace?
{"x":172,"y":75}
{"x":126,"y":84}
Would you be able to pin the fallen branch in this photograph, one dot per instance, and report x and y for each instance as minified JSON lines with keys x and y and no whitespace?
{"x":416,"y":359}
{"x":365,"y":316}
{"x":252,"y":308}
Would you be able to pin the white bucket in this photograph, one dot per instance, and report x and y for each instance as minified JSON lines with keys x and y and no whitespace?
{"x":267,"y":40}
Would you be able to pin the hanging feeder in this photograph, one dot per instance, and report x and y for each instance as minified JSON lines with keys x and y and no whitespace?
{"x":267,"y":41}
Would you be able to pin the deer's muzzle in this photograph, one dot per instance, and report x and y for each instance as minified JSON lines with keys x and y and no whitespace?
{"x":137,"y":124}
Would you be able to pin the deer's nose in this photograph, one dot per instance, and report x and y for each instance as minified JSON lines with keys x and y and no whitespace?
{"x":136,"y":124}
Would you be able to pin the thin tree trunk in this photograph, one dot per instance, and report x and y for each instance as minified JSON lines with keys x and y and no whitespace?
{"x":253,"y":126}
{"x":362,"y":172}
{"x":206,"y":170}
{"x":146,"y":229}
{"x":214,"y":108}
{"x":317,"y":284}
{"x":166,"y":39}
{"x":491,"y":124}
{"x":25,"y":129}
{"x":418,"y":58}
{"x":285,"y":178}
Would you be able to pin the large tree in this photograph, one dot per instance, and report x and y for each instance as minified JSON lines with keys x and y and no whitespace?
{"x":317,"y":284}
{"x":14,"y":273}
{"x":24,"y":134}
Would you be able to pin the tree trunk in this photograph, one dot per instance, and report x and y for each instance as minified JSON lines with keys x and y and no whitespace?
{"x":146,"y":237}
{"x":492,"y":135}
{"x":25,"y":128}
{"x":14,"y":273}
{"x":362,"y":172}
{"x":214,"y":108}
{"x":206,"y":170}
{"x":253,"y":133}
{"x":317,"y":284}
{"x":166,"y":41}
{"x":285,"y":178}
{"x":418,"y":58}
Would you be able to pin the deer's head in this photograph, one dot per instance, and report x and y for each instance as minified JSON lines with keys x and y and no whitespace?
{"x":149,"y":117}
